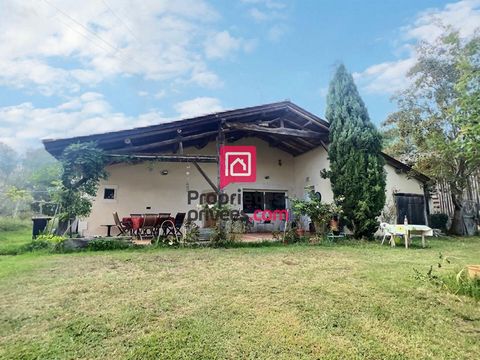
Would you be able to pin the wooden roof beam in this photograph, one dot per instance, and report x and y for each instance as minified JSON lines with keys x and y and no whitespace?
{"x":163,"y":143}
{"x":306,"y":115}
{"x":167,"y":158}
{"x":275,"y":131}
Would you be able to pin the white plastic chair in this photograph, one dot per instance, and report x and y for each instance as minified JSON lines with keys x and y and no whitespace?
{"x":389,"y":230}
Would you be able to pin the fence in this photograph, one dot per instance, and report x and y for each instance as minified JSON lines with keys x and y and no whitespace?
{"x":442,"y":199}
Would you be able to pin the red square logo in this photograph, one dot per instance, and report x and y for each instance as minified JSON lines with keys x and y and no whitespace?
{"x":237,"y":164}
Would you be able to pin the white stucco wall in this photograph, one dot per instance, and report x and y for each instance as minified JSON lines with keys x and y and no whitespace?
{"x":307,"y":173}
{"x":399,"y":182}
{"x":309,"y":165}
{"x":139,"y":186}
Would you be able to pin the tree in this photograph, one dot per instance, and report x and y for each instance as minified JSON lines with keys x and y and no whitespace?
{"x":356,"y":165}
{"x":83,"y":165}
{"x":38,"y":172}
{"x":437,"y":121}
{"x":18,"y":196}
{"x":8,"y":160}
{"x":468,"y":102}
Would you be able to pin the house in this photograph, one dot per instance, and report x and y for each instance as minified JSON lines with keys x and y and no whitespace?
{"x":181,"y":157}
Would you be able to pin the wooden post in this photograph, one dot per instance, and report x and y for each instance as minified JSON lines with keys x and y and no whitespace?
{"x":180,"y":143}
{"x":220,"y":143}
{"x":205,"y":176}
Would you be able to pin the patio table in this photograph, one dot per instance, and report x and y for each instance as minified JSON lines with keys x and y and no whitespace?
{"x":109,"y":229}
{"x":408,"y":231}
{"x":135,"y":221}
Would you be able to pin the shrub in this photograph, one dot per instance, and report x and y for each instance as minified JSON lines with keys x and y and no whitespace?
{"x":192,"y":233}
{"x":320,"y":213}
{"x":291,"y":236}
{"x":34,"y":246}
{"x":221,"y":238}
{"x":108,"y":244}
{"x":439,"y":221}
{"x":51,"y":238}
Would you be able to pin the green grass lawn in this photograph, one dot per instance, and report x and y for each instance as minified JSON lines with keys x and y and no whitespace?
{"x":278,"y":302}
{"x":14,"y":234}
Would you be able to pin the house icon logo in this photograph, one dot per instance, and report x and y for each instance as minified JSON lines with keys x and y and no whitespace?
{"x":237,"y":164}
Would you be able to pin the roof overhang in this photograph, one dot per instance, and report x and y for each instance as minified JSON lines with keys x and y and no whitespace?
{"x":282,"y":124}
{"x":402,"y":167}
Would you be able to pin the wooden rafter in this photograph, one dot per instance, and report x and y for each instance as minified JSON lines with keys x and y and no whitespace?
{"x":159,"y":144}
{"x":275,"y":131}
{"x":168,"y":158}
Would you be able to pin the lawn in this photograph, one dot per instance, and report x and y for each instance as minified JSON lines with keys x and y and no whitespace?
{"x":277,"y":302}
{"x":14,"y":234}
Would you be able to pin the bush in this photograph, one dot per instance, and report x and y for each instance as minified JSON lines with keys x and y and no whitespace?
{"x":108,"y":244}
{"x":191,"y":233}
{"x":320,"y":213}
{"x":291,"y":236}
{"x":439,"y":221}
{"x":34,"y":246}
{"x":51,"y":238}
{"x":221,"y":238}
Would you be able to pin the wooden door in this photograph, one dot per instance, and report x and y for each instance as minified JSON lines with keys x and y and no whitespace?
{"x":412,"y":206}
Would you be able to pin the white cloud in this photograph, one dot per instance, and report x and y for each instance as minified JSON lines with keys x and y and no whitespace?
{"x":385,"y":78}
{"x":389,"y":77}
{"x":198,"y":106}
{"x":276,"y":32}
{"x":272,"y":13}
{"x":258,"y":15}
{"x":270,"y":4}
{"x":23,"y":125}
{"x":160,"y":94}
{"x":221,"y":44}
{"x":463,"y":16}
{"x":57,"y":46}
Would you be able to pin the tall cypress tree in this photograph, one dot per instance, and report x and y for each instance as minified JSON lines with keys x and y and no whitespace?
{"x":356,"y":164}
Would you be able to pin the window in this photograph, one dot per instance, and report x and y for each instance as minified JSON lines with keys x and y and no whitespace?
{"x":263,"y":200}
{"x":109,"y":193}
{"x":274,"y":201}
{"x":252,"y":200}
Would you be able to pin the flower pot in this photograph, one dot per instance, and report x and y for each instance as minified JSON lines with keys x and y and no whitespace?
{"x":473,"y":271}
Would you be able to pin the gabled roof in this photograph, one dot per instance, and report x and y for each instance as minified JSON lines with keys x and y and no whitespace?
{"x":282,"y":124}
{"x":402,"y":167}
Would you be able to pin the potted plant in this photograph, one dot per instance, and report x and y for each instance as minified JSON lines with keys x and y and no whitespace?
{"x":320,"y":213}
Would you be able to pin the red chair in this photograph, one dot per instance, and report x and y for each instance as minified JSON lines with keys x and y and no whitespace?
{"x":123,"y":227}
{"x":148,"y":227}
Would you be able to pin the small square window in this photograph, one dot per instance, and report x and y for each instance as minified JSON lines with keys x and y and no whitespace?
{"x":109,"y":194}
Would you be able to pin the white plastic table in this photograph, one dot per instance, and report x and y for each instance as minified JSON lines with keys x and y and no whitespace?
{"x":407,"y":231}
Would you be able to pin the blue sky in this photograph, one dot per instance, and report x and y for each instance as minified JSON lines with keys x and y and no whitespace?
{"x":68,"y":70}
